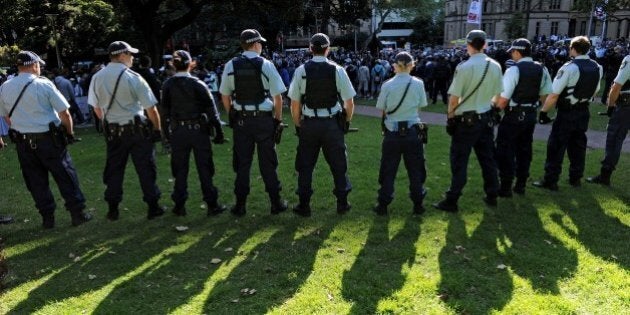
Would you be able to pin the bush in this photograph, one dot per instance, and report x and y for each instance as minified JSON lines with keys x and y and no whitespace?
{"x":7,"y":55}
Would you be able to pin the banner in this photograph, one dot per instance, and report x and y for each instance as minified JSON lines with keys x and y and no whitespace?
{"x":474,"y":14}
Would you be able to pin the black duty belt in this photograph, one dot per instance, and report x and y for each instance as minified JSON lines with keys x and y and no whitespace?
{"x":521,"y":109}
{"x":254,"y":113}
{"x":33,"y":136}
{"x":320,"y":117}
{"x":187,"y":122}
{"x":576,"y":106}
{"x":623,"y":100}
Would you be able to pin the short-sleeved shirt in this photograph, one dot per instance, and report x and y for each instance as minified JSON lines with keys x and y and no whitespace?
{"x":511,"y":78}
{"x":272,"y":82}
{"x":467,"y":77}
{"x":568,"y":75}
{"x":624,"y":73}
{"x":38,"y":106}
{"x":298,"y":88}
{"x":391,"y":95}
{"x":132,"y":97}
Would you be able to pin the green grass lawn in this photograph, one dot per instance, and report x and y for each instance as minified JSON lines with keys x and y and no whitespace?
{"x":542,"y":253}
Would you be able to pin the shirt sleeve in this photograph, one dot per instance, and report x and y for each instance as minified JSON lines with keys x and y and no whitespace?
{"x":3,"y":105}
{"x":143,"y":92}
{"x":422,"y":95}
{"x":562,"y":79}
{"x":227,"y":80}
{"x":295,"y":89}
{"x":92,"y":97}
{"x":545,"y":83}
{"x":56,"y":99}
{"x":624,"y":72}
{"x":381,"y":101}
{"x":510,"y":80}
{"x":276,"y":86}
{"x":456,"y":86}
{"x":344,"y":85}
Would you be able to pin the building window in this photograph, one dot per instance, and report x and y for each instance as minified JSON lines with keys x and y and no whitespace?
{"x":537,"y":28}
{"x":583,"y":27}
{"x":554,"y":5}
{"x":516,"y":5}
{"x":554,"y":28}
{"x":486,"y":7}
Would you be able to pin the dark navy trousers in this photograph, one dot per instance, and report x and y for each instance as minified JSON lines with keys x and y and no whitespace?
{"x":184,"y":140}
{"x":568,"y":133}
{"x":324,"y":134}
{"x":255,"y":133}
{"x":39,"y":158}
{"x":617,"y":130}
{"x":480,"y":137}
{"x":514,"y":144}
{"x":142,"y":153}
{"x":411,"y":150}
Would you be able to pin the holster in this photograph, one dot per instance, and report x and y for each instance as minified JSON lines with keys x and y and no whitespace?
{"x":14,"y":135}
{"x":403,"y":128}
{"x":232,"y":117}
{"x":204,"y":121}
{"x":109,"y":136}
{"x":342,"y":121}
{"x":58,"y":135}
{"x":277,"y":131}
{"x":423,"y":132}
{"x":469,"y":119}
{"x":144,"y":127}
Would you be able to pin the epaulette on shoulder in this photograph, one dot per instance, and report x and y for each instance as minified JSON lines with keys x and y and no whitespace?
{"x":133,"y":72}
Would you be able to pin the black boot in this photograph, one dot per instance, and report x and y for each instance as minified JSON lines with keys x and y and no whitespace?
{"x":80,"y":217}
{"x":278,"y":205}
{"x":216,"y":209}
{"x":113,"y":212}
{"x":48,"y":221}
{"x":154,"y":210}
{"x":343,"y":206}
{"x":380,"y":209}
{"x":603,"y":178}
{"x":418,"y":208}
{"x":239,"y":209}
{"x":303,"y":209}
{"x":519,"y":186}
{"x":179,"y":209}
{"x":447,"y":204}
{"x":546,"y":185}
{"x":505,"y":191}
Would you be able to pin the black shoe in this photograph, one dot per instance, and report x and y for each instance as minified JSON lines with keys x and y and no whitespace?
{"x":546,"y":185}
{"x":238,"y":210}
{"x":80,"y":218}
{"x":418,"y":209}
{"x":179,"y":210}
{"x":279,"y":207}
{"x":575,"y":182}
{"x":154,"y":212}
{"x":519,"y":187}
{"x":505,"y":193}
{"x":380,"y":209}
{"x":343,"y":208}
{"x":5,"y":219}
{"x":446,"y":205}
{"x":113,"y":212}
{"x":490,"y":201}
{"x":599,"y":179}
{"x":48,"y":221}
{"x":302,"y":210}
{"x":216,"y":210}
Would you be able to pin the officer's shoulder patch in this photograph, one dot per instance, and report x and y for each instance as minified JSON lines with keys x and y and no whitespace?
{"x":624,"y":63}
{"x":133,"y":72}
{"x":560,"y":73}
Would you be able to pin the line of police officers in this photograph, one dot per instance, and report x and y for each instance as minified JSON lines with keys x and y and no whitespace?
{"x":321,"y":108}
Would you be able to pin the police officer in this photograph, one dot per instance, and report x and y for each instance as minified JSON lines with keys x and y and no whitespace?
{"x":191,"y":112}
{"x":525,"y":86}
{"x":32,"y":105}
{"x":247,"y":84}
{"x":618,"y":124}
{"x":476,"y":82}
{"x":120,"y":98}
{"x":575,"y":84}
{"x":399,"y":100}
{"x":316,"y":92}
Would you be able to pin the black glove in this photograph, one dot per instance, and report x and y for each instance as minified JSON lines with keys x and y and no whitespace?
{"x":70,"y":138}
{"x":496,"y":115}
{"x":219,"y":138}
{"x":451,"y":126}
{"x":543,"y":118}
{"x":609,"y":111}
{"x":156,"y":136}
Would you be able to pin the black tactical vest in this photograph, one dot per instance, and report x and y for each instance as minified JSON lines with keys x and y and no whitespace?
{"x":528,"y":87}
{"x":182,"y":93}
{"x":586,"y":84}
{"x":321,"y":85}
{"x":248,"y":85}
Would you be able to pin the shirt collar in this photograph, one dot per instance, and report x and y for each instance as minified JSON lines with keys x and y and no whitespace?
{"x":478,"y":56}
{"x":319,"y":58}
{"x":117,"y":65}
{"x":250,"y":54}
{"x":26,"y":75}
{"x":403,"y":75}
{"x":582,"y":57}
{"x":182,"y":74}
{"x":526,"y":59}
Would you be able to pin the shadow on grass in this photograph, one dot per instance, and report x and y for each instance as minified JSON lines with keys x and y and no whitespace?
{"x":378,"y":271}
{"x":275,"y":269}
{"x":470,"y":280}
{"x":177,"y":277}
{"x":533,"y":253}
{"x":603,"y":235}
{"x":106,"y":259}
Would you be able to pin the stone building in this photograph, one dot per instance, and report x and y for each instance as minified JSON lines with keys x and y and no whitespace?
{"x":542,"y":17}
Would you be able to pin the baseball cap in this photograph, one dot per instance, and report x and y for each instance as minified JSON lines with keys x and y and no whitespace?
{"x":249,"y":36}
{"x":183,"y":56}
{"x":320,"y":40}
{"x":520,"y":44}
{"x":404,"y":58}
{"x":25,"y":58}
{"x":475,"y":34}
{"x":119,"y":47}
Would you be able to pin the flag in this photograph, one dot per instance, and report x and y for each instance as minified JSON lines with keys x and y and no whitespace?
{"x":474,"y":13}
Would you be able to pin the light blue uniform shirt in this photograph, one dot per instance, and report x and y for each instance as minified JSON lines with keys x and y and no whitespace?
{"x":624,"y":73}
{"x":38,"y":106}
{"x":467,"y":77}
{"x":392,"y":92}
{"x":273,"y":83}
{"x":298,"y":88}
{"x":511,"y":78}
{"x":132,"y":97}
{"x":568,"y":75}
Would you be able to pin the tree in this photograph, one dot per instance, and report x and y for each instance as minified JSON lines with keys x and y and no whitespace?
{"x":428,"y":29}
{"x":515,"y":26}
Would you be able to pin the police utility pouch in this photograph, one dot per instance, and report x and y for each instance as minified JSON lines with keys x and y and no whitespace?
{"x":342,"y":121}
{"x":278,"y":127}
{"x":403,"y":128}
{"x":423,"y":132}
{"x":470,"y":118}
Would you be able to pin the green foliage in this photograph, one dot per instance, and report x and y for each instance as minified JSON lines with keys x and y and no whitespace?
{"x":7,"y":55}
{"x":515,"y":26}
{"x":609,"y":6}
{"x":428,"y":29}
